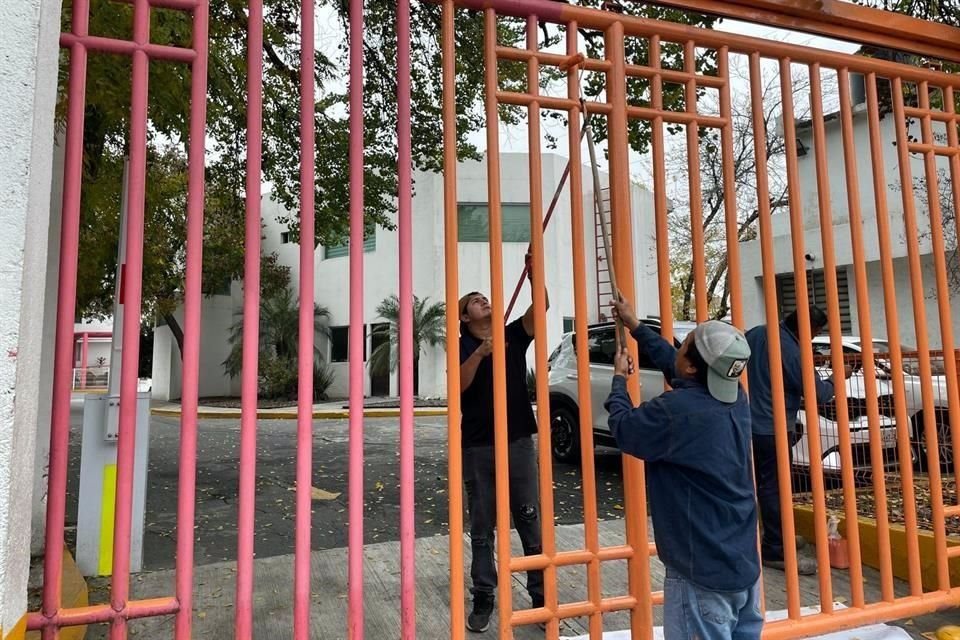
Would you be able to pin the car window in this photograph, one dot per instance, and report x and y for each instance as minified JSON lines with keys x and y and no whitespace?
{"x":602,"y":346}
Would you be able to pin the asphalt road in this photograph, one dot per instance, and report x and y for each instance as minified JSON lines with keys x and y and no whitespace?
{"x":218,"y":476}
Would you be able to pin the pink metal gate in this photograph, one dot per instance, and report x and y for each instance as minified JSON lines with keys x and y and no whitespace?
{"x":79,"y":42}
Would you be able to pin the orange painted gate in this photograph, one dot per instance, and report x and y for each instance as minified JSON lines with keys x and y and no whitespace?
{"x":870,"y":237}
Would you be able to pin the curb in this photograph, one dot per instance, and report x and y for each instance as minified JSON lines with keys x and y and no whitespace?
{"x":332,"y":414}
{"x":869,"y":546}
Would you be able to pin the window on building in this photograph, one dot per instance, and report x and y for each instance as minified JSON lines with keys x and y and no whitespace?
{"x":340,"y":344}
{"x":567,"y":325}
{"x":473,"y":222}
{"x":817,"y":291}
{"x":340,"y":250}
{"x":284,"y":237}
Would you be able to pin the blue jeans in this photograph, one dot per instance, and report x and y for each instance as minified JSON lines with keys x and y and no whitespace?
{"x":693,"y":613}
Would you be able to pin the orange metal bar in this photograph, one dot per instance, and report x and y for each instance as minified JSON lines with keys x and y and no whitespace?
{"x":923,"y":346}
{"x":451,"y":248}
{"x":893,"y":329}
{"x":572,"y":558}
{"x":501,"y":457}
{"x":553,"y":59}
{"x":941,"y":116}
{"x":641,"y":617}
{"x":549,"y":102}
{"x":933,"y":149}
{"x":949,"y":105}
{"x":581,"y":609}
{"x":805,"y":338}
{"x":866,"y":342}
{"x":679,"y":77}
{"x":819,"y":624}
{"x":836,"y":340}
{"x":646,"y":28}
{"x":540,"y":331}
{"x":660,"y":211}
{"x":591,"y":532}
{"x":693,"y":180}
{"x":773,"y":337}
{"x":943,"y":285}
{"x":730,"y":191}
{"x":677,"y":117}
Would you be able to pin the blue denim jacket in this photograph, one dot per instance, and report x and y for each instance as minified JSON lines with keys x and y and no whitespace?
{"x":699,"y":477}
{"x":758,"y":375}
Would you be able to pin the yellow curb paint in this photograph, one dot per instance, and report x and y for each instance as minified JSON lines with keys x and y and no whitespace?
{"x":105,"y":563}
{"x":19,"y":631}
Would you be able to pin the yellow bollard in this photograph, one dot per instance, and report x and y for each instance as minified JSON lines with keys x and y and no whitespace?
{"x":949,"y":632}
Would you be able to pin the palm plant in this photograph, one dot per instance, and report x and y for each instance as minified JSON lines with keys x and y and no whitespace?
{"x":429,"y":329}
{"x":279,"y":336}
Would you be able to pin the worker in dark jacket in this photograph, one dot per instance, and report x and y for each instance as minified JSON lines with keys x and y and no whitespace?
{"x":695,"y":440}
{"x":761,"y":410}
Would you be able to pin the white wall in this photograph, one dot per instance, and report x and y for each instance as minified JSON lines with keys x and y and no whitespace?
{"x":782,"y":244}
{"x":216,"y":317}
{"x":474,"y":261}
{"x":28,"y":75}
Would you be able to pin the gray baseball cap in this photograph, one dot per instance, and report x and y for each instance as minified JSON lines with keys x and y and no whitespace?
{"x":725,"y":350}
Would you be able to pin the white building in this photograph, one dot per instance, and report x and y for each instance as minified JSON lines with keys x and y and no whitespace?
{"x":381,"y":260}
{"x":783,"y":256}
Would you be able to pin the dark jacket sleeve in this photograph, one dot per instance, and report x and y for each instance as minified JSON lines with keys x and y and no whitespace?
{"x":793,"y":375}
{"x":661,"y":353}
{"x":644,"y":431}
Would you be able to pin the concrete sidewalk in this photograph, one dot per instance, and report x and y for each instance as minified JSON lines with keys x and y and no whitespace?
{"x":322,"y":411}
{"x":273,"y":597}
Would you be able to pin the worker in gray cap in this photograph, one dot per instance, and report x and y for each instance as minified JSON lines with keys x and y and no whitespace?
{"x":695,"y":440}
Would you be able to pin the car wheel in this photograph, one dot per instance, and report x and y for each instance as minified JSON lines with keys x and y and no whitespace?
{"x":564,"y":434}
{"x":944,"y":441}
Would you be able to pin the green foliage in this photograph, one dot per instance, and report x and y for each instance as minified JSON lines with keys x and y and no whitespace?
{"x":278,"y":378}
{"x":279,"y":331}
{"x":429,"y":329}
{"x":107,"y":122}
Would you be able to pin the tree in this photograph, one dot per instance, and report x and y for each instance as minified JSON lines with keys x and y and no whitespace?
{"x":279,"y":330}
{"x":107,"y":116}
{"x":943,"y":11}
{"x":429,"y":329}
{"x":745,"y":166}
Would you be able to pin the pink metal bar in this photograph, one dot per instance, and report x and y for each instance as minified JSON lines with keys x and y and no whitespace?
{"x":355,"y":485}
{"x":301,"y":578}
{"x":66,"y":310}
{"x":132,"y":289}
{"x":100,"y":613}
{"x":127,"y":48}
{"x":243,"y":621}
{"x":186,"y":486}
{"x":84,"y":356}
{"x":405,"y":327}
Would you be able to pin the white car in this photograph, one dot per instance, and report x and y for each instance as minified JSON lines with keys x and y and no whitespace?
{"x":565,"y":413}
{"x":857,"y":408}
{"x":564,"y":407}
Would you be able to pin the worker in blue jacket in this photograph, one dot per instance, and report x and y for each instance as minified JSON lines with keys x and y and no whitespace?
{"x":695,"y":440}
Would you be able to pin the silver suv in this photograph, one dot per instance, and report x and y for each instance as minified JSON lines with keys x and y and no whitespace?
{"x":564,"y":408}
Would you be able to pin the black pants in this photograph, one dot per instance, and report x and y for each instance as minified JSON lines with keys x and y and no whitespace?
{"x":768,"y":493}
{"x":479,"y":477}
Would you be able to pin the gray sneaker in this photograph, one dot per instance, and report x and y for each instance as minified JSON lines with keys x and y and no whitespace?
{"x":805,"y":566}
